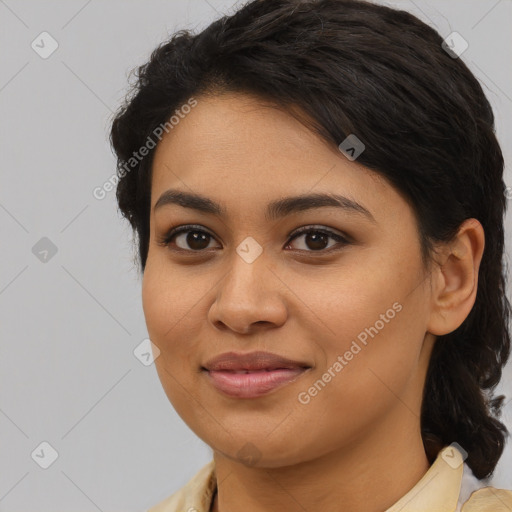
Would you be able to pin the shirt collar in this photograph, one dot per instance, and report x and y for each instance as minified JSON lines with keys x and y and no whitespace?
{"x":439,"y":488}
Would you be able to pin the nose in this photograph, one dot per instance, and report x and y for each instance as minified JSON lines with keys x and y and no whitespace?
{"x":249,"y":298}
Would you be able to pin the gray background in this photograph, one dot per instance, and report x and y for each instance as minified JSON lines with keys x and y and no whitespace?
{"x":69,"y":325}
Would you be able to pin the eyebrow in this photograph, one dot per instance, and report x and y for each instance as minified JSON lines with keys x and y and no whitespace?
{"x":275,"y":209}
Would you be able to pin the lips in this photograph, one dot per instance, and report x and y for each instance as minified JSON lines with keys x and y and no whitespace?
{"x":252,"y":362}
{"x":252,"y":375}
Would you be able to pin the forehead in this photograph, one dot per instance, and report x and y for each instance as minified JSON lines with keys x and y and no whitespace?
{"x":239,"y":151}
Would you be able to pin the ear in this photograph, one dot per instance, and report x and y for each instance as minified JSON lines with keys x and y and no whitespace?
{"x":455,"y":282}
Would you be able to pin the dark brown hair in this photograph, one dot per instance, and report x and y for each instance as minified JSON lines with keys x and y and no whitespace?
{"x":353,"y":67}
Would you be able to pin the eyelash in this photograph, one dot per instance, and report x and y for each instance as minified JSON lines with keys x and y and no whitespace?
{"x":165,"y":240}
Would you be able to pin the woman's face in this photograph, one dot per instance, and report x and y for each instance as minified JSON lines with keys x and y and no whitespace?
{"x":354,"y":311}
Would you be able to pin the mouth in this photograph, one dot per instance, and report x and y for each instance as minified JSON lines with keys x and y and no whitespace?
{"x":253,"y":374}
{"x":252,"y":383}
{"x":251,"y":361}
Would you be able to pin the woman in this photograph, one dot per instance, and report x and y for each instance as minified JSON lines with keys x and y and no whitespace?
{"x":317,"y":193}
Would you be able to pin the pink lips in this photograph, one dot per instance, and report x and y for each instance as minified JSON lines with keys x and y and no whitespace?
{"x":252,"y":375}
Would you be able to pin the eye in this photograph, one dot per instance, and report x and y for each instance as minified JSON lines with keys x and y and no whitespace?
{"x":315,"y":239}
{"x":196,"y":238}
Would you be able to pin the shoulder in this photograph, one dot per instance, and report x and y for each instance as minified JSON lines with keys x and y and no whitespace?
{"x":489,"y":499}
{"x":196,"y":494}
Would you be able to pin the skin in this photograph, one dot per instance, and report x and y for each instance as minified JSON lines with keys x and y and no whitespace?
{"x":358,"y":441}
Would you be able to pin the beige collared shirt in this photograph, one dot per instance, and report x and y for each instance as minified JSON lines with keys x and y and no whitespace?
{"x":448,"y":486}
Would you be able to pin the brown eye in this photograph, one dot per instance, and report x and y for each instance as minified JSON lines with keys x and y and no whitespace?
{"x":188,"y":238}
{"x":195,"y":240}
{"x":317,"y":240}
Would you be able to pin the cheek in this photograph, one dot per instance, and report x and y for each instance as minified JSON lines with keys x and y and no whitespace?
{"x":171,"y":322}
{"x":371,"y":334}
{"x":346,"y":397}
{"x":157,"y":304}
{"x":355,"y":305}
{"x":170,"y":297}
{"x":168,"y":312}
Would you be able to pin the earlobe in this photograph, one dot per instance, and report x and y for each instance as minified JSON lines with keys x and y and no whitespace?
{"x":455,"y":281}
